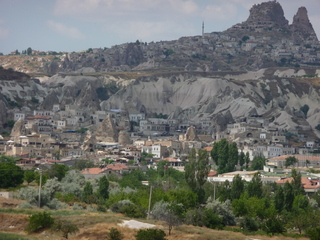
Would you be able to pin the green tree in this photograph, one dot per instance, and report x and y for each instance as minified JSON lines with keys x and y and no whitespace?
{"x":65,"y":227}
{"x":196,"y":172}
{"x":82,"y":164}
{"x":10,"y":174}
{"x":29,"y":51}
{"x":10,"y":123}
{"x":224,"y":155}
{"x":258,"y":162}
{"x":254,"y":187}
{"x":58,"y":171}
{"x":288,"y":196}
{"x":279,"y":199}
{"x":290,"y":161}
{"x":242,"y":158}
{"x":296,"y":183}
{"x":245,"y":38}
{"x":247,"y":159}
{"x":190,"y":169}
{"x":29,"y":176}
{"x":87,"y":192}
{"x":38,"y":222}
{"x":274,"y":225}
{"x":237,"y":187}
{"x":103,"y":190}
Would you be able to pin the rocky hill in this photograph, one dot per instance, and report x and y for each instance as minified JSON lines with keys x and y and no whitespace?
{"x":222,"y":76}
{"x":222,"y":97}
{"x":264,"y":40}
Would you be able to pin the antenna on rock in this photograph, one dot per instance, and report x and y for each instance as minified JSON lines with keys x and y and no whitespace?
{"x":202,"y":28}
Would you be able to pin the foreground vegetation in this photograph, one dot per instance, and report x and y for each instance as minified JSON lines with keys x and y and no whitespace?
{"x":172,"y":198}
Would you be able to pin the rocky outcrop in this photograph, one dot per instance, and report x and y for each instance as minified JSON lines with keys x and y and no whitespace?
{"x":50,"y":100}
{"x":264,"y":17}
{"x":301,"y":27}
{"x":18,"y":130}
{"x":88,"y":97}
{"x":107,"y":132}
{"x":191,"y":134}
{"x":124,"y":138}
{"x":3,"y":110}
{"x":267,"y":14}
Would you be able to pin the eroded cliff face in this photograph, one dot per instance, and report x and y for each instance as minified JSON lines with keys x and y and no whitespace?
{"x":224,"y":98}
{"x":220,"y":97}
{"x":301,"y":27}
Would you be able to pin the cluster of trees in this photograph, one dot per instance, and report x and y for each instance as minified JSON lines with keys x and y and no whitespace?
{"x":226,"y":157}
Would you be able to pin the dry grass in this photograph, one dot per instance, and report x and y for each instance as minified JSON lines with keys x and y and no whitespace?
{"x":95,"y":226}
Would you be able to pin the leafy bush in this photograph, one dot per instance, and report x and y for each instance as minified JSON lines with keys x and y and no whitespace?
{"x":314,"y":233}
{"x":101,"y":208}
{"x":204,"y":217}
{"x":65,"y":227}
{"x":77,"y":207}
{"x":68,"y":198}
{"x":273,"y":225}
{"x":128,"y":208}
{"x":114,"y":234}
{"x":39,"y":221}
{"x":249,"y":224}
{"x":56,"y":204}
{"x":223,"y":210}
{"x":116,"y":207}
{"x":150,"y":234}
{"x":25,"y":205}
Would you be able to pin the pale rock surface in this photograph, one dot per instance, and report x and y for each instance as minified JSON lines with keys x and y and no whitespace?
{"x":124,"y":138}
{"x":107,"y":132}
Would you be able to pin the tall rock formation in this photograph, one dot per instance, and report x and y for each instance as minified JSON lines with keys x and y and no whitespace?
{"x":88,"y":97}
{"x":191,"y":134}
{"x":107,"y":131}
{"x":18,"y":130}
{"x":301,"y":27}
{"x":50,"y":100}
{"x":124,"y":138}
{"x":267,"y":16}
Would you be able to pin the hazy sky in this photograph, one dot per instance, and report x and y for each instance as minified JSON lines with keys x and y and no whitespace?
{"x":75,"y":25}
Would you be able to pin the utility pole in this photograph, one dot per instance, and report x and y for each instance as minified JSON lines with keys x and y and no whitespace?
{"x":40,"y":187}
{"x":149,"y":203}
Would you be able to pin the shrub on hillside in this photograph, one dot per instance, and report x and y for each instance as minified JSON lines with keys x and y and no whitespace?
{"x":114,"y":234}
{"x":38,"y":222}
{"x":65,"y":227}
{"x":150,"y":234}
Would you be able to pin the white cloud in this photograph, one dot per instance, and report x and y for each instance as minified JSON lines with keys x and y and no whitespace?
{"x":4,"y":33}
{"x":65,"y":30}
{"x":151,"y":31}
{"x":104,"y":8}
{"x":219,"y":12}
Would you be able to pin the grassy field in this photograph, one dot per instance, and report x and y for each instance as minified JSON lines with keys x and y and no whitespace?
{"x":95,"y":225}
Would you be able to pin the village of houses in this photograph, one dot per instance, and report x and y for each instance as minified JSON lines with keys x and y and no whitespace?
{"x":64,"y":136}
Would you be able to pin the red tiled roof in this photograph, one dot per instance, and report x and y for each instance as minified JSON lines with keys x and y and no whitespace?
{"x":212,"y":174}
{"x":92,"y":170}
{"x":171,"y":159}
{"x":307,"y":183}
{"x":208,"y":149}
{"x":113,"y":167}
{"x":299,"y":157}
{"x":38,"y":117}
{"x":116,"y":166}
